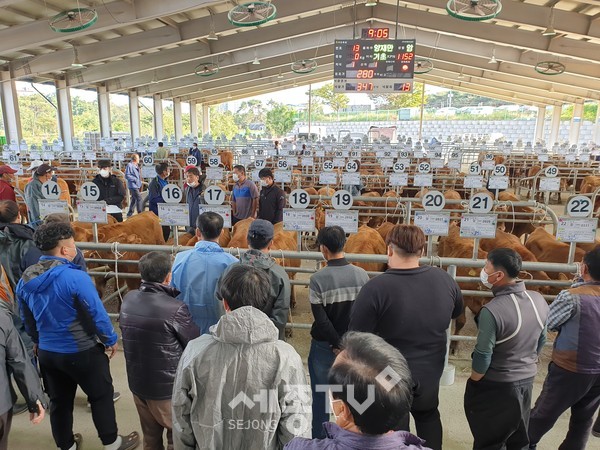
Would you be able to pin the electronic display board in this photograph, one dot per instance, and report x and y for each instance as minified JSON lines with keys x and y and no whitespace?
{"x":362,"y":65}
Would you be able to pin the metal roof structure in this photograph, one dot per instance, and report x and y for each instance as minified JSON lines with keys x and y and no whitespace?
{"x":152,"y":47}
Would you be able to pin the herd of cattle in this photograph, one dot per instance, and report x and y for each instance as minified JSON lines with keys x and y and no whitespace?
{"x":527,"y":237}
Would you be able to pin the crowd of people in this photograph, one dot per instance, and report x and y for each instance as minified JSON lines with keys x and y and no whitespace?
{"x":204,"y":337}
{"x":246,"y":200}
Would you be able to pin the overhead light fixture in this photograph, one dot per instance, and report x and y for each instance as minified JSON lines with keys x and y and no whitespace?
{"x":493,"y":59}
{"x":280,"y":76}
{"x":212,"y":36}
{"x":550,"y":31}
{"x":76,"y":64}
{"x":154,"y":78}
{"x":460,"y":75}
{"x":372,"y":3}
{"x":256,"y":61}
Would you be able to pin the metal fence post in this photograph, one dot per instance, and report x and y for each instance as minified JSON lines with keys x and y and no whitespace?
{"x":449,"y":369}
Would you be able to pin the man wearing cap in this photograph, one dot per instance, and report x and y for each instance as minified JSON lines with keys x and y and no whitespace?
{"x":193,"y":195}
{"x":272,"y":199}
{"x":260,"y":240}
{"x":134,"y":184}
{"x":33,"y":193}
{"x":7,"y":191}
{"x":111,"y":189}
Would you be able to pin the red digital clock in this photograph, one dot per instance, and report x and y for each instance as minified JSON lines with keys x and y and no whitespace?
{"x":375,"y":33}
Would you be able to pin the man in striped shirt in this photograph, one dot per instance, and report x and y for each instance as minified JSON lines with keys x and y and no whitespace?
{"x":332,"y":292}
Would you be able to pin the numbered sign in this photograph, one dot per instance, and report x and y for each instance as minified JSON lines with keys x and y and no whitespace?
{"x":260,"y":164}
{"x":299,"y":199}
{"x":282,"y":164}
{"x":499,"y":170}
{"x":434,"y":201}
{"x":13,"y":159}
{"x":89,"y":192}
{"x":351,"y":166}
{"x":551,"y":172}
{"x":327,"y":166}
{"x":190,"y":160}
{"x":342,"y":200}
{"x":474,"y":169}
{"x":489,"y":156}
{"x":579,"y":206}
{"x":214,"y":152}
{"x":148,"y":160}
{"x":214,"y":195}
{"x":424,"y":167}
{"x":481,"y":203}
{"x":399,"y":167}
{"x":172,"y":193}
{"x":50,"y":190}
{"x":214,"y":161}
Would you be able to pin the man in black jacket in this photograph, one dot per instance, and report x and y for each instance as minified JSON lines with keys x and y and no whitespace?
{"x":272,"y":199}
{"x":15,"y":240}
{"x":411,"y":306}
{"x":156,"y":328}
{"x":112,"y":190}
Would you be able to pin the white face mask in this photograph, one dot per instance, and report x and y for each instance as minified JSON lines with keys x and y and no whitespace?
{"x":105,"y":173}
{"x":236,"y":177}
{"x":331,"y":402}
{"x":483,"y":276}
{"x":193,"y":184}
{"x":263,"y":183}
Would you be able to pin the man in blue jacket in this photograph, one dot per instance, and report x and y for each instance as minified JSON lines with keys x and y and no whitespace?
{"x":196,"y":272}
{"x":134,"y":184}
{"x":71,"y":331}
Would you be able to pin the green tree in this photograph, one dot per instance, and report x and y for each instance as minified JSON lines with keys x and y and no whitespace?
{"x":280,"y":118}
{"x":222,"y":123}
{"x":397,"y":101}
{"x":39,"y":119}
{"x":251,"y":111}
{"x":334,"y":100}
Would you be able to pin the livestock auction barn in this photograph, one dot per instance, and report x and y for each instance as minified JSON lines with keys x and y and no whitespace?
{"x":472,"y":182}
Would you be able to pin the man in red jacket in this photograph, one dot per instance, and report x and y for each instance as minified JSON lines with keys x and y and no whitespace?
{"x":7,"y":191}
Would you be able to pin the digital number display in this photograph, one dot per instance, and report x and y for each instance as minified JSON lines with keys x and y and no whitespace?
{"x":375,"y":33}
{"x":378,"y":86}
{"x":361,"y":59}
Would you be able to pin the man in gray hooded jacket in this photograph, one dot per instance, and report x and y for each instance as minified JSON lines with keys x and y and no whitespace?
{"x":260,"y":240}
{"x":239,"y":387}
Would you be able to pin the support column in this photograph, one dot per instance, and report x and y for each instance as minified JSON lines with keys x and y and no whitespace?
{"x":158,"y":118}
{"x":539,"y":124}
{"x":134,"y":115}
{"x":10,"y":108}
{"x":596,"y":133}
{"x":178,"y":119}
{"x":555,"y":126}
{"x":576,"y":122}
{"x":193,"y":119}
{"x":205,"y":119}
{"x":65,"y":114}
{"x":104,"y":111}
